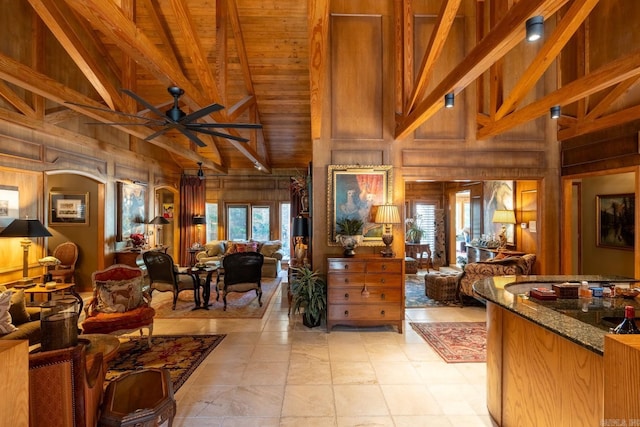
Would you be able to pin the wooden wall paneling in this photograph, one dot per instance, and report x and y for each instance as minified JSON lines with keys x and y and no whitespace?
{"x":621,"y":373}
{"x":494,"y":361}
{"x":357,"y":157}
{"x":475,"y":159}
{"x":356,"y":77}
{"x":526,"y":210}
{"x":14,"y":387}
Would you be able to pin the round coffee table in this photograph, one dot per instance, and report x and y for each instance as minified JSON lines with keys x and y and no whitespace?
{"x":106,"y":344}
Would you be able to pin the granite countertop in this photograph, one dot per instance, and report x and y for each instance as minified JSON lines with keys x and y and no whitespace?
{"x":584,"y":321}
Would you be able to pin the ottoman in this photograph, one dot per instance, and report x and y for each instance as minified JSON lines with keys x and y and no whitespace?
{"x":441,"y":286}
{"x":410,"y":265}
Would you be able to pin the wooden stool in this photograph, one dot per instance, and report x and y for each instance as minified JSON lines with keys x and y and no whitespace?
{"x":140,"y":398}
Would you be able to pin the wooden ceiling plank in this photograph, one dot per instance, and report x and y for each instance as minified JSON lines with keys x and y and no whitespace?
{"x":610,"y":98}
{"x":159,"y":25}
{"x":444,"y":23}
{"x":584,"y":127}
{"x":77,"y":43}
{"x":222,"y":48}
{"x":318,"y":35}
{"x":27,"y":78}
{"x":403,"y":30}
{"x":132,"y":41}
{"x":237,"y":109}
{"x":610,"y":74}
{"x":506,"y":34}
{"x":568,"y":25}
{"x":7,"y":93}
{"x":234,"y":20}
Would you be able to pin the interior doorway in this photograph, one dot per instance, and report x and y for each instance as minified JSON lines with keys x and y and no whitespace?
{"x":462,"y":226}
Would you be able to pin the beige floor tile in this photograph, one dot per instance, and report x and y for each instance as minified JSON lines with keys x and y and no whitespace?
{"x":396,"y":373}
{"x":424,"y":421}
{"x":271,"y":353}
{"x":410,"y":399}
{"x":256,"y":401}
{"x":309,"y":373}
{"x":308,"y":400}
{"x":310,"y":352}
{"x":307,"y":422}
{"x":365,"y":422}
{"x":353,"y":373}
{"x":268,"y":373}
{"x":359,"y":400}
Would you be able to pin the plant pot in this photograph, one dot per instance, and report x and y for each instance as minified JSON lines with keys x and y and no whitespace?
{"x":350,"y":243}
{"x":310,"y":323}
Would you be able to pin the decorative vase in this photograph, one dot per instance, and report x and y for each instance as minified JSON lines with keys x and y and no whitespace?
{"x":304,"y":202}
{"x":349,"y":243}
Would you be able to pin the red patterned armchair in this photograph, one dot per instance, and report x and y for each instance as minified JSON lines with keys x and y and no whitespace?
{"x":120,"y":304}
{"x":517,"y":265}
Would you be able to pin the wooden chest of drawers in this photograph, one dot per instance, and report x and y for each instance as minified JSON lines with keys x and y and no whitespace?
{"x":365,"y":291}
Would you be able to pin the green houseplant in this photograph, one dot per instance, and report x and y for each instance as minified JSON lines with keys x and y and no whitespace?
{"x":349,"y":234}
{"x":414,"y":232}
{"x":309,"y":291}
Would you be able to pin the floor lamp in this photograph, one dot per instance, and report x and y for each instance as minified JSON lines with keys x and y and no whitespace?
{"x":159,"y":221}
{"x":387,"y":215}
{"x":300,"y":231}
{"x":27,"y":229}
{"x":198,"y":221}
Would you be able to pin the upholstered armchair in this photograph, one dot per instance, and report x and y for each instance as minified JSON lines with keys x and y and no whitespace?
{"x":474,"y":271}
{"x":67,"y":253}
{"x":63,"y":390}
{"x":242,"y":273}
{"x":120,"y":303}
{"x":165,"y":276}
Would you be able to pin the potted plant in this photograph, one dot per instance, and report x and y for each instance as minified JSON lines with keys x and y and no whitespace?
{"x":349,"y":234}
{"x":309,"y":291}
{"x":414,"y":232}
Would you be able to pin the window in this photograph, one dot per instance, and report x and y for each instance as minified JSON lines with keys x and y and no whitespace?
{"x":285,"y":228}
{"x":245,"y":221}
{"x":260,"y":227}
{"x":211,"y":214}
{"x":426,"y":217}
{"x":238,"y":222}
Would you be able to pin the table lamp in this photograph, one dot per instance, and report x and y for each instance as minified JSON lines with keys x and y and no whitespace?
{"x":503,"y":217}
{"x":25,"y":228}
{"x":198,"y":221}
{"x":299,"y":231}
{"x":387,"y":215}
{"x":159,"y":221}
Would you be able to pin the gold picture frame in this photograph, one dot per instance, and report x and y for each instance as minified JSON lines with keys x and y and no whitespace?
{"x":68,"y":208}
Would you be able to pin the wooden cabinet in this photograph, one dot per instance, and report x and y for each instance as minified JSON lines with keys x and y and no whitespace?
{"x":365,"y":291}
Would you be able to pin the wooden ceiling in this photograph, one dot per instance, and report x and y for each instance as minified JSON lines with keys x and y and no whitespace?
{"x":253,"y":57}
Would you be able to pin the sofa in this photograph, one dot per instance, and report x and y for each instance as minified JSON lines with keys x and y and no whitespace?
{"x":474,"y":271}
{"x":271,"y":250}
{"x":19,"y":322}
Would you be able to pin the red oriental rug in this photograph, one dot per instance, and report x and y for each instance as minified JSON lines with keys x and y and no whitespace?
{"x":456,"y":342}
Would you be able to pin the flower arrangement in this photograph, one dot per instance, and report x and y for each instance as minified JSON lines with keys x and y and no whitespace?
{"x":414,"y":232}
{"x":299,"y":183}
{"x":137,"y":240}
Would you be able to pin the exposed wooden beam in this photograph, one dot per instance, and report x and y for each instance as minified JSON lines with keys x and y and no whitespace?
{"x":507,"y":33}
{"x":318,"y":36}
{"x":547,"y":54}
{"x":610,"y":74}
{"x":7,"y":93}
{"x":77,"y":42}
{"x":25,"y":77}
{"x":583,"y":127}
{"x":615,"y":93}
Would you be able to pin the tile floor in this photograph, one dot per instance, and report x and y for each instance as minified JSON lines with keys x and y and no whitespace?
{"x":276,"y":372}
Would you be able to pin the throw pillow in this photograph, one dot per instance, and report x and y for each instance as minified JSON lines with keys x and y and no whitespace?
{"x":5,"y":317}
{"x":246,"y":247}
{"x":215,"y":248}
{"x":118,"y":296}
{"x":18,"y":308}
{"x":231,"y":248}
{"x":269,"y":248}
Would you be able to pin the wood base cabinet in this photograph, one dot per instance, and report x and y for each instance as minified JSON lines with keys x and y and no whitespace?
{"x":365,"y":291}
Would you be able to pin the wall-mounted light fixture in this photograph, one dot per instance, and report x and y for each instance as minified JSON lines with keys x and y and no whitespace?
{"x":555,"y":112}
{"x":200,"y":171}
{"x":449,"y":100}
{"x":535,"y":28}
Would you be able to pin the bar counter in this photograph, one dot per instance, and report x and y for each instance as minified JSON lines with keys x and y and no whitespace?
{"x":551,"y":362}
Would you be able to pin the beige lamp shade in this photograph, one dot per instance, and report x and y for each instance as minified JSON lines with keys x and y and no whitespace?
{"x":504,"y":217}
{"x":387,"y":214}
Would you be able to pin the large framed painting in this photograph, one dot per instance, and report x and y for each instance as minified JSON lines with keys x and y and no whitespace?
{"x":615,"y":215}
{"x":68,"y":208}
{"x":498,"y":195}
{"x":352,"y":192}
{"x":132,"y":199}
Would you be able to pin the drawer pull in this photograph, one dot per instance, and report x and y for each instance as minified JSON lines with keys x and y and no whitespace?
{"x":346,"y":295}
{"x":384,"y":266}
{"x":346,"y":280}
{"x":382,"y":296}
{"x":365,"y":292}
{"x":382,"y":280}
{"x":382,"y":313}
{"x":346,"y":313}
{"x":346,"y":266}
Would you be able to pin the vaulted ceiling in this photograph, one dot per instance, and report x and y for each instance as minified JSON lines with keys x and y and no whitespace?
{"x":254,"y":56}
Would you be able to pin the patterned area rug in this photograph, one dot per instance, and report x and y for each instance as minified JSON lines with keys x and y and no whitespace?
{"x":414,"y":293}
{"x":239,"y":305}
{"x":456,"y":342}
{"x":179,"y":354}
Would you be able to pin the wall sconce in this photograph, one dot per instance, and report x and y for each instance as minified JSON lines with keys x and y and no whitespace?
{"x":535,"y":28}
{"x":387,"y":215}
{"x":449,"y":100}
{"x":198,"y":221}
{"x":555,"y":112}
{"x":200,"y":171}
{"x":25,"y":228}
{"x":503,"y":217}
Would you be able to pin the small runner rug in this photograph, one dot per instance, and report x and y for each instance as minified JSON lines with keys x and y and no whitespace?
{"x":239,"y":305}
{"x":456,"y":342}
{"x":179,"y":354}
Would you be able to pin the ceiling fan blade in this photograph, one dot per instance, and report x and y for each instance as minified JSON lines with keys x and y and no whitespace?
{"x":106,"y":110}
{"x":147,"y":123}
{"x":194,"y":126}
{"x":201,"y":113}
{"x":154,"y":135}
{"x":146,"y":104}
{"x":191,"y":136}
{"x":222,"y":135}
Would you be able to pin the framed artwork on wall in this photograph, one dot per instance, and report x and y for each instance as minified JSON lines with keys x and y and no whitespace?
{"x":352,"y":192}
{"x":68,"y":208}
{"x":9,"y":205}
{"x":498,"y":195}
{"x":615,"y":215}
{"x":131,"y":203}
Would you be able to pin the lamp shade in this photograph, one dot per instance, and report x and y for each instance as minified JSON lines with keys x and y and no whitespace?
{"x":159,"y":220}
{"x":300,"y":227}
{"x":25,"y":228}
{"x":504,"y":217}
{"x":387,"y":214}
{"x":198,"y":220}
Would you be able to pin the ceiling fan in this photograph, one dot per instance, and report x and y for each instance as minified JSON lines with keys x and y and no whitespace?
{"x":175,"y":118}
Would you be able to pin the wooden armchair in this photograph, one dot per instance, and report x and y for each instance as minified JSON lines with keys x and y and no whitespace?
{"x":165,"y":277}
{"x":63,"y":390}
{"x":67,"y":253}
{"x":242,"y":273}
{"x":120,"y":304}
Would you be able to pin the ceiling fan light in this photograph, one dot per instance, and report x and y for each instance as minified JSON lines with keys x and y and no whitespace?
{"x":535,"y":28}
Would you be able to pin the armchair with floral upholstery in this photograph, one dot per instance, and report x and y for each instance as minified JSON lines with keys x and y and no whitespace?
{"x":474,"y":271}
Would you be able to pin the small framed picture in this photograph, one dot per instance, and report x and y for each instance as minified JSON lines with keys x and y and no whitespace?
{"x":68,"y":208}
{"x":616,"y":221}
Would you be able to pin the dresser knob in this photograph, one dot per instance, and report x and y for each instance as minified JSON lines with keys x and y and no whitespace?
{"x":382,"y":280}
{"x":346,"y":295}
{"x":346,"y":280}
{"x":346,"y":266}
{"x":382,"y":313}
{"x":382,"y":296}
{"x":384,"y":266}
{"x":346,"y":313}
